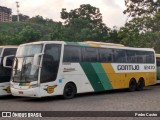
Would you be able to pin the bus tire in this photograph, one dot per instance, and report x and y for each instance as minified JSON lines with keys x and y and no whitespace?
{"x":69,"y":90}
{"x":140,"y":85}
{"x":132,"y":85}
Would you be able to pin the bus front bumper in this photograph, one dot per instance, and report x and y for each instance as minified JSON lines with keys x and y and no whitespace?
{"x":31,"y":92}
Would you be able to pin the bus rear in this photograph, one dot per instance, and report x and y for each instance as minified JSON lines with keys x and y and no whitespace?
{"x":158,"y":67}
{"x":5,"y":73}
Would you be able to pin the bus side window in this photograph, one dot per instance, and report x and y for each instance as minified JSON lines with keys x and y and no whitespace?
{"x":90,"y":54}
{"x":150,"y":57}
{"x":158,"y":62}
{"x":9,"y":51}
{"x":141,"y":56}
{"x":120,"y":56}
{"x":105,"y":55}
{"x":72,"y":53}
{"x":50,"y":63}
{"x":131,"y":56}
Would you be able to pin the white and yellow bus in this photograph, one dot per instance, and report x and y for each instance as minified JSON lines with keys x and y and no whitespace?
{"x":158,"y":67}
{"x":49,"y":68}
{"x":5,"y":73}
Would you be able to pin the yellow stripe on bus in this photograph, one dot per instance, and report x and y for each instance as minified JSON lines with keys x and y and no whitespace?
{"x":121,"y":80}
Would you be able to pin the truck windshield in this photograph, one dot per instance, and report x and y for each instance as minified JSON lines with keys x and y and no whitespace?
{"x":23,"y":70}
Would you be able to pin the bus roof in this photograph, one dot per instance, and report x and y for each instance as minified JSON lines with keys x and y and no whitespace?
{"x":158,"y":55}
{"x":92,"y":44}
{"x":87,"y":42}
{"x":42,"y":42}
{"x":103,"y":43}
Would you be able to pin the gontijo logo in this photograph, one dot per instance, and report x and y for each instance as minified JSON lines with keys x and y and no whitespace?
{"x":124,"y":68}
{"x":128,"y":67}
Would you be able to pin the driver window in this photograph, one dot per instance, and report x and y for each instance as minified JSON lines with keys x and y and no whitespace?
{"x":50,"y":63}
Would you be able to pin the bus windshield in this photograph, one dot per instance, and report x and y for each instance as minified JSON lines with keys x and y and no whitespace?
{"x":23,"y":70}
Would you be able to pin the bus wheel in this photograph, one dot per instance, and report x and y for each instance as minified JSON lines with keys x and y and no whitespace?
{"x":140,"y":85}
{"x":69,"y":91}
{"x":132,"y":85}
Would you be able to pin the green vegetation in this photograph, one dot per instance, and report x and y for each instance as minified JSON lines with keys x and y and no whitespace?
{"x":85,"y":23}
{"x":143,"y":30}
{"x":21,"y":32}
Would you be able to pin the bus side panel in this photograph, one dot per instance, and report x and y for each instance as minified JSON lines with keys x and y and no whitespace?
{"x":50,"y":88}
{"x":117,"y":80}
{"x":97,"y":77}
{"x":121,"y":80}
{"x":151,"y":78}
{"x":158,"y":74}
{"x":73,"y":72}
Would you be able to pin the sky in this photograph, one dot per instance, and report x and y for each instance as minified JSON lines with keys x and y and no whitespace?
{"x":112,"y":10}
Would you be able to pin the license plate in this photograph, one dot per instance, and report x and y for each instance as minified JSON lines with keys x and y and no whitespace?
{"x":20,"y":92}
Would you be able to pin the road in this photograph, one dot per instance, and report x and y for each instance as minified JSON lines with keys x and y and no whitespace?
{"x":116,"y":100}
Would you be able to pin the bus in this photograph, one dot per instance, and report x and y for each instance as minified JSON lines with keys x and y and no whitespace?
{"x":158,"y":67}
{"x":49,"y":68}
{"x":5,"y":73}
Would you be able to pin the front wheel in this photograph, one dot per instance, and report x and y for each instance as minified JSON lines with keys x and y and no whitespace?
{"x":69,"y":91}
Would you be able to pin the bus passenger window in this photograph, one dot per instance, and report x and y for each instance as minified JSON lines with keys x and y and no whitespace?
{"x":72,"y":53}
{"x":106,"y":55}
{"x":131,"y":56}
{"x":150,"y":57}
{"x":90,"y":54}
{"x":141,"y":56}
{"x":120,"y":56}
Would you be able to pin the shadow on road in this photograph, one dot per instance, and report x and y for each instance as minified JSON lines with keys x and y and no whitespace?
{"x":8,"y":97}
{"x":43,"y":99}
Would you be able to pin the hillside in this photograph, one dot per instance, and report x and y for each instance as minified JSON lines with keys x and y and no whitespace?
{"x":18,"y":26}
{"x":15,"y":30}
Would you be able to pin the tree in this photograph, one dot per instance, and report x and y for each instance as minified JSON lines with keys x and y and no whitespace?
{"x":86,"y":11}
{"x":136,"y":8}
{"x":144,"y":10}
{"x":114,"y":35}
{"x":37,"y":19}
{"x":86,"y":18}
{"x":40,"y":20}
{"x":57,"y":32}
{"x":29,"y":34}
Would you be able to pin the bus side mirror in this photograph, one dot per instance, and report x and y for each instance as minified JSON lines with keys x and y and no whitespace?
{"x":7,"y":61}
{"x":36,"y":59}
